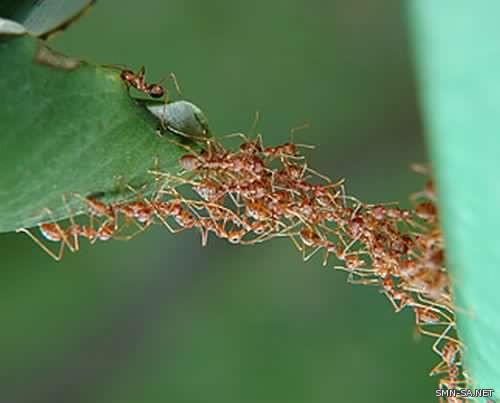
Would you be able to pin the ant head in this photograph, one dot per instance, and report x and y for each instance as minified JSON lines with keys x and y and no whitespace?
{"x":127,"y":75}
{"x":156,"y":91}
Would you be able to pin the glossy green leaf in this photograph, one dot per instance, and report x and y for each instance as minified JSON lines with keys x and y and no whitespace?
{"x":458,"y":54}
{"x":71,"y":127}
{"x":44,"y":17}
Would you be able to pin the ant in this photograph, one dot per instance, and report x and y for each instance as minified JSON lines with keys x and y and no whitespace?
{"x":54,"y":232}
{"x":285,"y":151}
{"x":137,"y":80}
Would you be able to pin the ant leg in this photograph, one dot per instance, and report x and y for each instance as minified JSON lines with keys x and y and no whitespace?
{"x":255,"y":122}
{"x":303,"y":126}
{"x":141,"y":226}
{"x":230,"y":214}
{"x":243,"y":136}
{"x":330,"y":249}
{"x":295,"y":242}
{"x":246,"y":139}
{"x":141,"y":73}
{"x":60,"y":230}
{"x":397,"y":308}
{"x":73,"y":226}
{"x":173,"y":181}
{"x":201,"y":139}
{"x":440,"y":337}
{"x":428,"y":302}
{"x":422,"y":169}
{"x":173,"y":77}
{"x":179,"y":199}
{"x":259,"y":141}
{"x":56,"y":234}
{"x":448,"y":320}
{"x":361,"y":281}
{"x":351,"y":198}
{"x":160,"y":216}
{"x":141,"y":229}
{"x":179,"y":144}
{"x":306,"y":258}
{"x":343,"y":194}
{"x":274,"y":232}
{"x":117,"y":66}
{"x":293,"y":130}
{"x":204,"y":235}
{"x":292,"y":141}
{"x":316,"y":173}
{"x":285,"y":231}
{"x":236,"y":200}
{"x":349,"y":246}
{"x":57,"y":257}
{"x":359,"y":271}
{"x":450,"y":365}
{"x":163,"y":220}
{"x":439,"y":368}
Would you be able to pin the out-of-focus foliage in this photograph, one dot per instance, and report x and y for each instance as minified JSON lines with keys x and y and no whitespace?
{"x":459,"y":60}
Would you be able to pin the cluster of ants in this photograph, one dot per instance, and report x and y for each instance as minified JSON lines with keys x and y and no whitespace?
{"x":399,"y":250}
{"x":255,"y":193}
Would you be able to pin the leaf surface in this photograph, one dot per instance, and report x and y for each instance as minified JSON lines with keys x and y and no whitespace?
{"x":71,"y":127}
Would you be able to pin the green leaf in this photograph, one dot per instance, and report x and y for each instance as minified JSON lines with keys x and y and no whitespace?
{"x":458,"y":53}
{"x":71,"y":127}
{"x":182,"y":116}
{"x":44,"y":17}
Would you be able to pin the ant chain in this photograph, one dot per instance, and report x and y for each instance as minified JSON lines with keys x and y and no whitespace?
{"x":256,"y":192}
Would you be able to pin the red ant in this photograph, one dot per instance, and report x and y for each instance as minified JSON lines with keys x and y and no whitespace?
{"x":52,"y":232}
{"x":137,"y":81}
{"x":55,"y":233}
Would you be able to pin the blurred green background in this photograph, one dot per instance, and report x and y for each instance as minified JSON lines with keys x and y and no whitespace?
{"x":161,"y":319}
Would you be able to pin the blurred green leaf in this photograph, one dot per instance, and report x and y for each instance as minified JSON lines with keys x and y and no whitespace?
{"x":43,"y":17}
{"x":69,"y":126}
{"x":458,"y":51}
